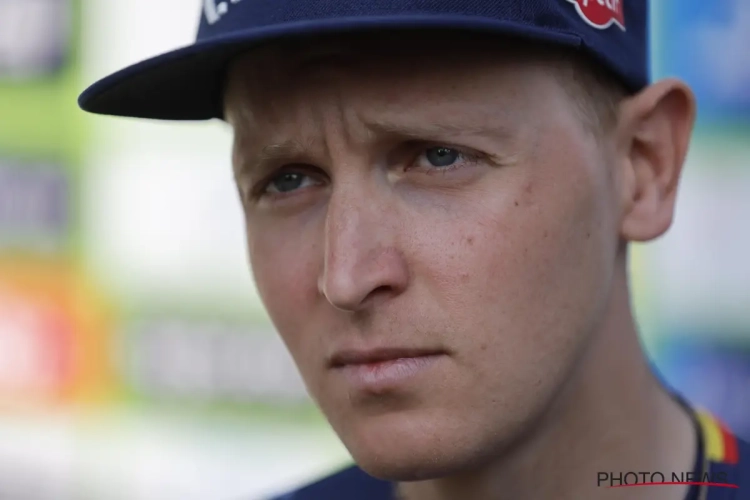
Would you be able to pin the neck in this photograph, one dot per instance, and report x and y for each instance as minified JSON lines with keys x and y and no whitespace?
{"x":612,"y":416}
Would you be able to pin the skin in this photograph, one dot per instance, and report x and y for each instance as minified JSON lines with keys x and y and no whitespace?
{"x":511,"y":260}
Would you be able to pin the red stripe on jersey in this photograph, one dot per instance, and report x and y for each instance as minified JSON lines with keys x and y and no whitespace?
{"x":731,"y":455}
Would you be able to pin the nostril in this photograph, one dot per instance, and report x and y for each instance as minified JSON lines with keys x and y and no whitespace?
{"x":381,"y":292}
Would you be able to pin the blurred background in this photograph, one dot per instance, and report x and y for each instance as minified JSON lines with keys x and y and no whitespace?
{"x":136,"y":362}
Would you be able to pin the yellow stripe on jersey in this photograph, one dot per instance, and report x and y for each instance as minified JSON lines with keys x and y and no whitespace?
{"x":712,"y":437}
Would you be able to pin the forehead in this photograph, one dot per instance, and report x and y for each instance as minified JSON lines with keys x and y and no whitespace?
{"x":288,"y":101}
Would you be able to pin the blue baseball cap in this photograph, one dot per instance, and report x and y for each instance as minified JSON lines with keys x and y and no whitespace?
{"x":187,"y":83}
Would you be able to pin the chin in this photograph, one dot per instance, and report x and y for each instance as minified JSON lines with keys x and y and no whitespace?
{"x":412,"y":449}
{"x":409,"y":465}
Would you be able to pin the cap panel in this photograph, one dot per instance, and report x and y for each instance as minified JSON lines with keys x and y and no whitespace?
{"x":186,"y":84}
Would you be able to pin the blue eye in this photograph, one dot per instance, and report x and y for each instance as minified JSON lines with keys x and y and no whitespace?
{"x":286,"y":182}
{"x":441,"y":156}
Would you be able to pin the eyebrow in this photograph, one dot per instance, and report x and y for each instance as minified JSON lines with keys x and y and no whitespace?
{"x":437,"y":130}
{"x":262,"y":162}
{"x":295,"y":150}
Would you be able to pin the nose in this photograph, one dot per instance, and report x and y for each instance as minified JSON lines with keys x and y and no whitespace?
{"x":363,"y":263}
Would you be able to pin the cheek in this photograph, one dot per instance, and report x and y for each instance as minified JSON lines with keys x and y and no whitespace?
{"x":521,"y":275}
{"x":284,"y":268}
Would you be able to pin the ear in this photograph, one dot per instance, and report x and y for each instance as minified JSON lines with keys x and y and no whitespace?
{"x":653,"y":135}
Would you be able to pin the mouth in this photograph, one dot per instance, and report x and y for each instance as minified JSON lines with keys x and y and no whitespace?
{"x":354,"y":357}
{"x":379,"y":371}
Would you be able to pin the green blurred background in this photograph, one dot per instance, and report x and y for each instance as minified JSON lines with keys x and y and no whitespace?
{"x":136,"y":361}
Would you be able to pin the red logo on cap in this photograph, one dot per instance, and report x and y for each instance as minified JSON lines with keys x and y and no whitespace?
{"x":601,"y":14}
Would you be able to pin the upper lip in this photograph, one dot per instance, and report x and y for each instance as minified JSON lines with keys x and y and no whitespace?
{"x":363,"y":356}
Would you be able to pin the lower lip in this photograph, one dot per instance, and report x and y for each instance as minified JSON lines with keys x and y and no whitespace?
{"x":386,"y":375}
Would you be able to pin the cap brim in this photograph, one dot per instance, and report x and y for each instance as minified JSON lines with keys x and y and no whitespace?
{"x":186,"y":84}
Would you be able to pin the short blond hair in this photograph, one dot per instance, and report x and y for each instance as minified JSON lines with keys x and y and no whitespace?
{"x":596,"y":92}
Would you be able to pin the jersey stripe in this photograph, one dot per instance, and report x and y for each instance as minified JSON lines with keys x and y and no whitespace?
{"x":713,"y":437}
{"x":730,"y":443}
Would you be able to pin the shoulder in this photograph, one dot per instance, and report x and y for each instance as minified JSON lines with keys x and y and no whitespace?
{"x":739,"y":471}
{"x":729,"y":462}
{"x":349,"y":483}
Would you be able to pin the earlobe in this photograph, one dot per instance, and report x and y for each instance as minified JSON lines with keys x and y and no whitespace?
{"x":654,"y":135}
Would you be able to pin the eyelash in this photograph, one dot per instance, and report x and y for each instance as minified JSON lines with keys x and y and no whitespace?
{"x":260,"y":189}
{"x":466,"y":156}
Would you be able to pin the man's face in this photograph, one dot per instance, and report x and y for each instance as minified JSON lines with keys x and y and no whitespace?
{"x":446,"y":203}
